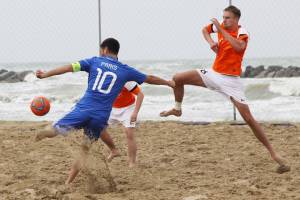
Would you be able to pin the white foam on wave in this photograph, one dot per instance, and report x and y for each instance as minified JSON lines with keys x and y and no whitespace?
{"x":269,"y":99}
{"x":286,"y":86}
{"x":30,"y":77}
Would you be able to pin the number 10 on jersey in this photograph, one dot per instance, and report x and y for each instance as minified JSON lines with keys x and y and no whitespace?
{"x":101,"y":79}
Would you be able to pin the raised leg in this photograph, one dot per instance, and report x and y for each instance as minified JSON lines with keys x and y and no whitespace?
{"x":191,"y":77}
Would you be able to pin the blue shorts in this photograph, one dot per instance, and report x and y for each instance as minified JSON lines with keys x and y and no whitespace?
{"x":81,"y":119}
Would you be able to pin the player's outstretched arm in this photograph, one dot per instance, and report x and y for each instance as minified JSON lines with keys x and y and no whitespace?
{"x":154,"y":80}
{"x":60,"y":70}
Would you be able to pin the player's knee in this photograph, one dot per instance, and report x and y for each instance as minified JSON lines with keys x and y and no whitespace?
{"x":177,"y":78}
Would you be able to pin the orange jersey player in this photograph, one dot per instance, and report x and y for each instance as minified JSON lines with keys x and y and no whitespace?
{"x":224,"y":77}
{"x":125,"y":111}
{"x":225,"y":54}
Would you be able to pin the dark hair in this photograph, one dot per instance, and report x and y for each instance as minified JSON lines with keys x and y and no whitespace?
{"x":234,"y":10}
{"x":112,"y":45}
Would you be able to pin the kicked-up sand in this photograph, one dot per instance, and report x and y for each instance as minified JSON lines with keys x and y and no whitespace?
{"x":175,"y":161}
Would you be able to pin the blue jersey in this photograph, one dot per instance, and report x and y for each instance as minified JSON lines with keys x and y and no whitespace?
{"x":107,"y":76}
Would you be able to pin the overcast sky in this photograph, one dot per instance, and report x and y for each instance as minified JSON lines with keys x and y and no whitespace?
{"x":67,"y":30}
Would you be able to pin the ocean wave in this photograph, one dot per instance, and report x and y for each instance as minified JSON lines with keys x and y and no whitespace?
{"x":286,"y":87}
{"x":259,"y":91}
{"x":30,"y":77}
{"x":271,"y":88}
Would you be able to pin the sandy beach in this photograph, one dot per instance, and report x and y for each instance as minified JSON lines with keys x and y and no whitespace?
{"x":175,"y":161}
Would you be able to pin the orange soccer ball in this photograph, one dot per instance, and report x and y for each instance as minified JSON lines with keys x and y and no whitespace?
{"x":40,"y":106}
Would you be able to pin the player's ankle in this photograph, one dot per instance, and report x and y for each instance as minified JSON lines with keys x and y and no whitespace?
{"x":131,"y":164}
{"x":177,"y":106}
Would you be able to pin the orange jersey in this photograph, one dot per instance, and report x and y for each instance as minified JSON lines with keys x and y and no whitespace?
{"x":127,"y":95}
{"x":228,"y":61}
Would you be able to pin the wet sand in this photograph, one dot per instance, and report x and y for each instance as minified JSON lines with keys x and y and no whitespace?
{"x":175,"y":161}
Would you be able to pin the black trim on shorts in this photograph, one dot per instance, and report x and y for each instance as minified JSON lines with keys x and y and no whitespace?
{"x":134,"y":88}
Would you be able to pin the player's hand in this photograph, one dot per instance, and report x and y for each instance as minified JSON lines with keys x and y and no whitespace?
{"x":171,"y":84}
{"x":216,"y":23}
{"x":40,"y":74}
{"x":215,"y":47}
{"x":133,"y":117}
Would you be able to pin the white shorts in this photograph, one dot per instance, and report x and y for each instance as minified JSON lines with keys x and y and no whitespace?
{"x":229,"y":86}
{"x":122,"y":115}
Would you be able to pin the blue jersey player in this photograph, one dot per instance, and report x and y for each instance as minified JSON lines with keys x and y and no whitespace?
{"x":107,"y":76}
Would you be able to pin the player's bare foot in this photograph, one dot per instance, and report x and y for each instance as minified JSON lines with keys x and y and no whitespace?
{"x":39,"y":137}
{"x":131,"y":164}
{"x":112,"y":155}
{"x":45,"y":134}
{"x":66,"y":188}
{"x":283,"y":168}
{"x":173,"y":111}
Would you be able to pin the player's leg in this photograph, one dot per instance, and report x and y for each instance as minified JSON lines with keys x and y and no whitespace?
{"x":92,"y":132}
{"x":49,"y":132}
{"x":132,"y":147}
{"x":105,"y":137}
{"x":191,"y":77}
{"x":82,"y":158}
{"x":73,"y":120}
{"x":257,"y":130}
{"x":129,"y":127}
